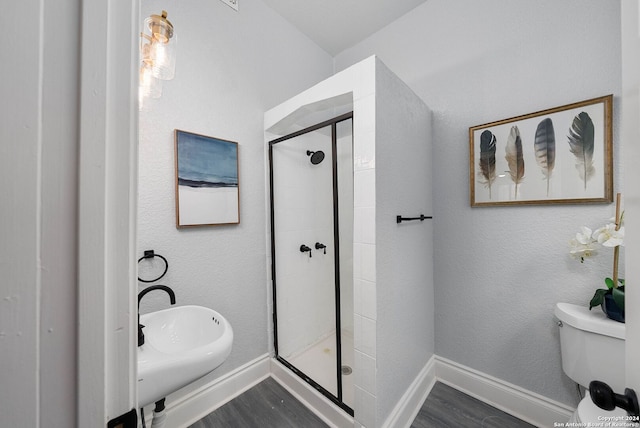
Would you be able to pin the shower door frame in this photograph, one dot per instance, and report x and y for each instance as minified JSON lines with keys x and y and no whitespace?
{"x":336,"y":399}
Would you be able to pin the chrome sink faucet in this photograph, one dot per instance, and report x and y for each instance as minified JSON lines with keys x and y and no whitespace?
{"x":172,"y":298}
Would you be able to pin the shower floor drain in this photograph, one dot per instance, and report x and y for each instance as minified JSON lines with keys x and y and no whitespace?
{"x":346,"y":370}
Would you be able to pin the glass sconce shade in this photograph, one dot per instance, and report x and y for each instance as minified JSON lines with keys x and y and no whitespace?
{"x":163,"y":58}
{"x":159,"y":46}
{"x":149,"y":85}
{"x":157,"y":54}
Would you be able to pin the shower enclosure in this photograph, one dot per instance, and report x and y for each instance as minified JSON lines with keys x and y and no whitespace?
{"x":375,"y":283}
{"x":311,"y":186}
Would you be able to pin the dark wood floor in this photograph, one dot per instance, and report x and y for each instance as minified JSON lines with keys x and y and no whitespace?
{"x":269,"y":405}
{"x":266,"y":405}
{"x":447,"y":407}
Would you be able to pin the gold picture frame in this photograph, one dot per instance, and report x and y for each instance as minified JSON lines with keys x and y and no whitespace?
{"x":562,"y":155}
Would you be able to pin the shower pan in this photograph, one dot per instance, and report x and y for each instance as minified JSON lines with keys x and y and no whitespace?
{"x":311,"y":195}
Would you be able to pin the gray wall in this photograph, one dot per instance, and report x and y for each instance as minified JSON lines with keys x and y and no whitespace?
{"x":231,"y":68}
{"x":500,"y":271}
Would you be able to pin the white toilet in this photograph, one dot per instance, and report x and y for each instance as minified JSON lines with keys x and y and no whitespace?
{"x":592,"y":348}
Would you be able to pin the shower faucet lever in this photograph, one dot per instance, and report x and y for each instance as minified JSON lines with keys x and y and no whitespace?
{"x":320,"y":246}
{"x":304,"y":249}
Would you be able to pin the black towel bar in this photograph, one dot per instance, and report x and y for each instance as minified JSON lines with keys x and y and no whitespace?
{"x":400,"y":219}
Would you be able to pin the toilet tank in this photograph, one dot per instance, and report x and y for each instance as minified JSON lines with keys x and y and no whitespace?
{"x":592,"y":346}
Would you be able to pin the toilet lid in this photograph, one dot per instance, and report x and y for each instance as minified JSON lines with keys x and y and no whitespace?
{"x":588,"y":412}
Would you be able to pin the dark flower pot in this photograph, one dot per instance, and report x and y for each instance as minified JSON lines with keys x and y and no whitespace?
{"x":611,"y":309}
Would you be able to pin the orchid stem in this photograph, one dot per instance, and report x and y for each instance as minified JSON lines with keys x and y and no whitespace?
{"x":615,"y":266}
{"x":616,"y":250}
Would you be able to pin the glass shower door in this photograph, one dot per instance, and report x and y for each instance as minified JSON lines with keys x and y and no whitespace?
{"x":303,"y":244}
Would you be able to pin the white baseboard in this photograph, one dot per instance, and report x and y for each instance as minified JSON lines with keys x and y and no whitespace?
{"x":519,"y":402}
{"x":409,"y":405}
{"x":331,"y":414}
{"x":192,"y":407}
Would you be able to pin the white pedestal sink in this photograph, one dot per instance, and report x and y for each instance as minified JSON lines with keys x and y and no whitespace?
{"x":182,"y":344}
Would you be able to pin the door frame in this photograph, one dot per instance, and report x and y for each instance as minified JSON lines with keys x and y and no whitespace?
{"x":630,"y":134}
{"x":107,"y":312}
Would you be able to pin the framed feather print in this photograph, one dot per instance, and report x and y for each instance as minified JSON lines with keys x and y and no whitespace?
{"x":557,"y":156}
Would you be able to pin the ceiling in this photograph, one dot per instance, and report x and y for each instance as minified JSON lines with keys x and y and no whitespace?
{"x":336,"y":25}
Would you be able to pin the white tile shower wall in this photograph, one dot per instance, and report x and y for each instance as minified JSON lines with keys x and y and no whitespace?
{"x":367,"y":336}
{"x":364,"y":258}
{"x":346,"y":222}
{"x":366,"y":220}
{"x":365,"y":377}
{"x":365,"y":408}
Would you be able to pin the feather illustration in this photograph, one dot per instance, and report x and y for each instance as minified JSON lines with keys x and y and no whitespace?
{"x":514,"y":157}
{"x":487,"y":159}
{"x":581,"y":145}
{"x":544,"y":146}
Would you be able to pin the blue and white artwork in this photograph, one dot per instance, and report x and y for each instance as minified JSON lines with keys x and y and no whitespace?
{"x":206,"y":180}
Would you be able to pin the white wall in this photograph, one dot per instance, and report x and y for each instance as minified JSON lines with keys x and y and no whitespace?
{"x":499,"y":271}
{"x":231,"y":68}
{"x":404,"y":252}
{"x":38,"y":169}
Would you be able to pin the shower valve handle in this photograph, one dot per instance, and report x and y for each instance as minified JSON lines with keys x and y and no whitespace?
{"x":320,"y":246}
{"x":304,"y":249}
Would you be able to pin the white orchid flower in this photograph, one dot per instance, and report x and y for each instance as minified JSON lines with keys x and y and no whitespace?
{"x":608,"y":236}
{"x":585,"y":242}
{"x":584,"y":236}
{"x":582,"y":245}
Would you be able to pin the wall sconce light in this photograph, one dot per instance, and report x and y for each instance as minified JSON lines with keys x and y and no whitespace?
{"x":150,"y":86}
{"x":158,"y":55}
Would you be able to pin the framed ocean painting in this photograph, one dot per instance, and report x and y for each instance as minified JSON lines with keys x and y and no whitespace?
{"x":563,"y":155}
{"x":207,"y":190}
